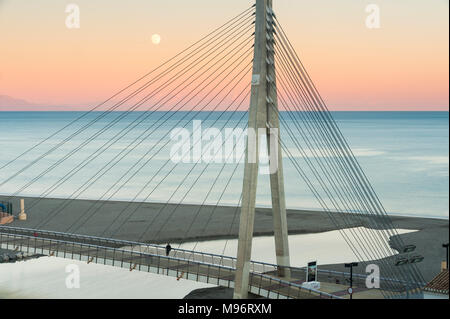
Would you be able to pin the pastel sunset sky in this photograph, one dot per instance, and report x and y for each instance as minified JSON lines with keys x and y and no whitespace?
{"x":401,"y":66}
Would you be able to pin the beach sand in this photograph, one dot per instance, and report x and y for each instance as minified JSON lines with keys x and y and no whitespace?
{"x":186,"y":223}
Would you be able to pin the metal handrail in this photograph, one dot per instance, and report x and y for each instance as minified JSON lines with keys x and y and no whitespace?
{"x":130,"y":243}
{"x":293,"y":284}
{"x":112,"y":248}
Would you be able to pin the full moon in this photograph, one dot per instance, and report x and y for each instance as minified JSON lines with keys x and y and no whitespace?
{"x":156,"y":39}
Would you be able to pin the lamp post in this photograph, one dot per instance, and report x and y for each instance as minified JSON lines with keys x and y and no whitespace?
{"x":351,"y":265}
{"x":446,"y":254}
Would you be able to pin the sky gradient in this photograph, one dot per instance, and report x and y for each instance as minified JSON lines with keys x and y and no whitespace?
{"x":401,"y":66}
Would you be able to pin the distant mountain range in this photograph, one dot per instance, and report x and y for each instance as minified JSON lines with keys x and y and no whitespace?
{"x":8,"y":103}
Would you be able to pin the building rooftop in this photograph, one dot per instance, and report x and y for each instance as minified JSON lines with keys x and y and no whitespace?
{"x":439,"y":284}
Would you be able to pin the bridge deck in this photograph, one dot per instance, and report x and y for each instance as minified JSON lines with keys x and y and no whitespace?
{"x":190,"y":265}
{"x":141,"y":259}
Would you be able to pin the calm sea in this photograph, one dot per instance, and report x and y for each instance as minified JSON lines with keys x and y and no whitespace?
{"x":404,"y":154}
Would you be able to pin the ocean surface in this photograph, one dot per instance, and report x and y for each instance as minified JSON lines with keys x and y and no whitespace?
{"x":405,"y":155}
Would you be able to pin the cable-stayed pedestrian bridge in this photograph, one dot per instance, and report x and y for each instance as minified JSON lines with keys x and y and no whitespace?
{"x":245,"y":73}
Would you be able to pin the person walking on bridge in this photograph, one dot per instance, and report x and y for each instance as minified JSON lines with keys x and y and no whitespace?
{"x":168,"y":249}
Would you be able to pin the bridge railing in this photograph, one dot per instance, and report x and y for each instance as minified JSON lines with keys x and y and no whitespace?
{"x":203,"y":257}
{"x":115,"y":256}
{"x":261,"y":284}
{"x":274,"y":288}
{"x":187,"y":254}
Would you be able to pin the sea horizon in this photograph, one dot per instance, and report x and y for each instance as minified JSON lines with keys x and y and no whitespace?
{"x":220,"y":111}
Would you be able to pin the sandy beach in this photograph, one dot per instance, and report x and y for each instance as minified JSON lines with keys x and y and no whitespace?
{"x":186,"y":223}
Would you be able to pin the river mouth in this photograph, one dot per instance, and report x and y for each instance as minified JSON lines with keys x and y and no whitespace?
{"x":325,"y":248}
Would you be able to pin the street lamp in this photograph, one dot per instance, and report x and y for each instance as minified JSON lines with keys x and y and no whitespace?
{"x":446,"y":254}
{"x":350,"y":290}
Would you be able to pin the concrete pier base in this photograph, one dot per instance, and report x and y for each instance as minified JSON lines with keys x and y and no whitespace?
{"x":22,"y":215}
